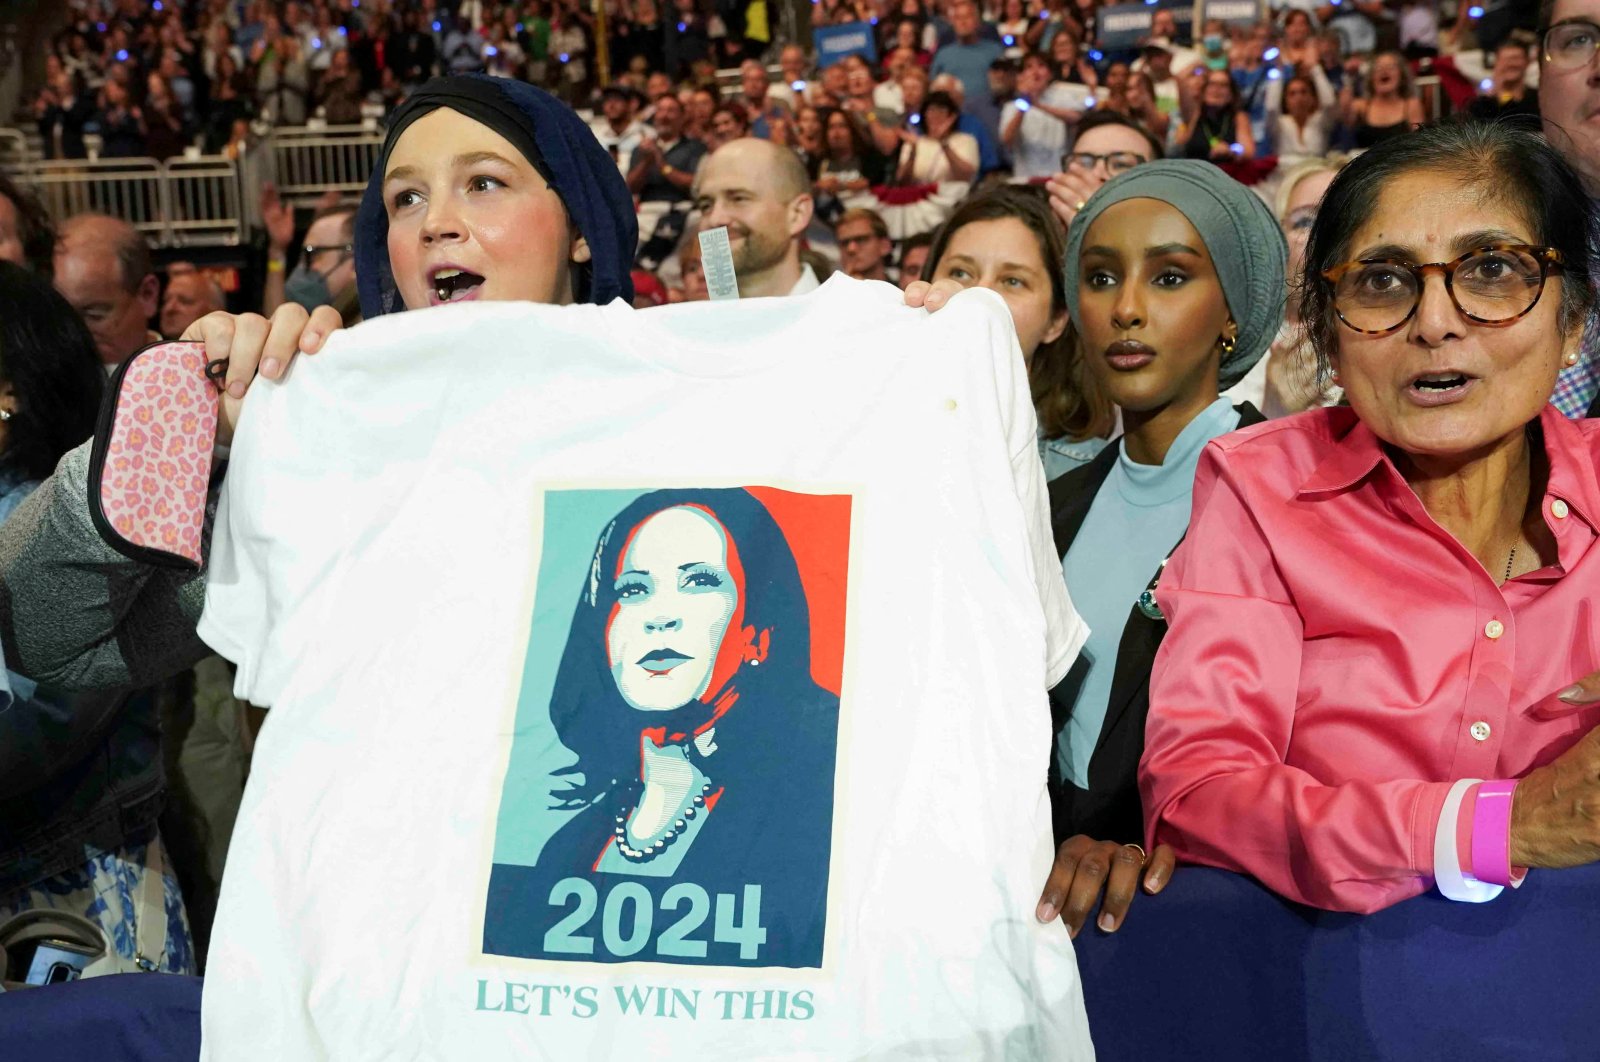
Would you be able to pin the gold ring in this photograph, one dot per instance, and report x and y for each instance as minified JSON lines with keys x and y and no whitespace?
{"x":1079,"y":209}
{"x":1142,"y":856}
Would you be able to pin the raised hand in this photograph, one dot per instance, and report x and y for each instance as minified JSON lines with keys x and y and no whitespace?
{"x":278,"y":218}
{"x":1069,"y":191}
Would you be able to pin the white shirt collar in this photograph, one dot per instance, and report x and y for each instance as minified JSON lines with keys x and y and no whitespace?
{"x":807,"y":283}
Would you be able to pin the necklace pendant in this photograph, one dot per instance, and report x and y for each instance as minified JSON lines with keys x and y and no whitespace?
{"x":1148,"y":606}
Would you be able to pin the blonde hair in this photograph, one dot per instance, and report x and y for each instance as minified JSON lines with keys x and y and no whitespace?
{"x":1299,"y":172}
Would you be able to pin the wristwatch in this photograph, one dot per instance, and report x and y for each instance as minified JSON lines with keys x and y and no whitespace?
{"x":666,"y":170}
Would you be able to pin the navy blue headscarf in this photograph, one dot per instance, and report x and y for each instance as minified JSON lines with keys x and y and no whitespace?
{"x":557,"y":144}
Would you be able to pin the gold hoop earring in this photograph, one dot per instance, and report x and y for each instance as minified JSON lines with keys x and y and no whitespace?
{"x":1228,"y":346}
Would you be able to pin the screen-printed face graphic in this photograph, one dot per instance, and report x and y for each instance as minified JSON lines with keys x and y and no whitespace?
{"x":675,"y":595}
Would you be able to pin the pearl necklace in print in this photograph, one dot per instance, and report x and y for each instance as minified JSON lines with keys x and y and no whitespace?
{"x":679,"y":823}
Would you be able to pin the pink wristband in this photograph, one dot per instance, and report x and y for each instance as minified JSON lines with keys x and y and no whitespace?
{"x":1491,"y":832}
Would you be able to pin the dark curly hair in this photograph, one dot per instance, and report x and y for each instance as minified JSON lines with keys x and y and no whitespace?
{"x":48,"y":358}
{"x":37,"y":235}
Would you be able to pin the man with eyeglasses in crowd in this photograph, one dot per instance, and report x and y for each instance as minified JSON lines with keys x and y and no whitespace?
{"x":1569,"y":103}
{"x":864,"y":244}
{"x":1506,"y":92}
{"x":326,"y":272}
{"x":1108,"y":143}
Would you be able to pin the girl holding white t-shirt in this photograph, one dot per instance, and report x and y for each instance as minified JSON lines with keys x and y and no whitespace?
{"x":474,"y":171}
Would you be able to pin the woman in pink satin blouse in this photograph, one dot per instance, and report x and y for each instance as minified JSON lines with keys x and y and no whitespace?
{"x":1379,"y":613}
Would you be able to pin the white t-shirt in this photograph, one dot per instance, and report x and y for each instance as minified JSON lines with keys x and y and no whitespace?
{"x":930,"y":164}
{"x":889,"y":96}
{"x":785,"y":560}
{"x":1042,"y":138}
{"x":620,"y":145}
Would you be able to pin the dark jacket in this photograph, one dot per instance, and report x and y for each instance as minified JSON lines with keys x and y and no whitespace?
{"x":70,"y":122}
{"x":1110,"y":809}
{"x":81,"y":773}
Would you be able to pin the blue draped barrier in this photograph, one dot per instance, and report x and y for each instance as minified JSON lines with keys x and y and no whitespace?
{"x":123,"y":1018}
{"x":1218,"y":967}
{"x":1214,"y":968}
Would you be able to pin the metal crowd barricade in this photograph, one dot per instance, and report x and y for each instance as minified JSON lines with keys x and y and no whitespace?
{"x":202,"y":201}
{"x":15,"y":152}
{"x":307,"y":162}
{"x":131,"y":189}
{"x":211,"y":200}
{"x":181,"y":202}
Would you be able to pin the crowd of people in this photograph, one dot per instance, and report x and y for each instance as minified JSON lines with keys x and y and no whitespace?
{"x":950,"y":94}
{"x":1218,"y":258}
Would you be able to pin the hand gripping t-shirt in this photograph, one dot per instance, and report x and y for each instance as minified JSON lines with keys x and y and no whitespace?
{"x":645,"y":685}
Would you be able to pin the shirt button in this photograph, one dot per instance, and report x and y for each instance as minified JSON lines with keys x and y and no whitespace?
{"x":1480,"y":731}
{"x":1493,"y":629}
{"x":1558,"y":509}
{"x":950,"y":405}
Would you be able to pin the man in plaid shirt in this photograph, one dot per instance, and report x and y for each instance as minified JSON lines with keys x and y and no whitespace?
{"x":1569,"y":92}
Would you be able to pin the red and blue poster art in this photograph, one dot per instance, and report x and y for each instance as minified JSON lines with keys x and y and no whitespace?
{"x":669,"y":796}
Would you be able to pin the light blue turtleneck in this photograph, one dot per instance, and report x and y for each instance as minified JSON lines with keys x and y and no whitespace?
{"x":1139,"y":514}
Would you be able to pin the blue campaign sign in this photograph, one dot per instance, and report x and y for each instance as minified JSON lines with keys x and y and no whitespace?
{"x":1231,"y":12}
{"x":852,"y":38}
{"x":1122,"y":26}
{"x":1183,"y":15}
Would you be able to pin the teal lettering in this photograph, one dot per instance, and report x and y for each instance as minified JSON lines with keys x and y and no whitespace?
{"x":803,"y":1009}
{"x":751,"y":1010}
{"x":744,"y":929}
{"x":516,"y":994}
{"x":768,"y":1004}
{"x":680,"y":998}
{"x":544,"y":998}
{"x":483,"y":993}
{"x":627,"y":943}
{"x":727,"y":999}
{"x":563,"y":937}
{"x":585,"y":997}
{"x":631,"y":999}
{"x":675,"y":941}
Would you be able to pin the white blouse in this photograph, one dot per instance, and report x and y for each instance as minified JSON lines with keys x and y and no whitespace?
{"x":929,"y":164}
{"x":1290,"y":141}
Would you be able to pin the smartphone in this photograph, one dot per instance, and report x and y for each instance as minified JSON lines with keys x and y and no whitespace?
{"x":52,"y":962}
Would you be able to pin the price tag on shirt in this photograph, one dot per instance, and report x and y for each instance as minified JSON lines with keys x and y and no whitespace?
{"x":716,"y":258}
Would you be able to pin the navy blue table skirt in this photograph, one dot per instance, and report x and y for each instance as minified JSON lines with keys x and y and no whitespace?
{"x":1217,"y":967}
{"x":122,"y":1018}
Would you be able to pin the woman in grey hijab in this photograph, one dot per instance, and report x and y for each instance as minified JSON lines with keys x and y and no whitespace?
{"x":1175,"y":281}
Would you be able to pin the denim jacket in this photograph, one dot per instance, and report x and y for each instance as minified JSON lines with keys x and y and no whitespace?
{"x":78,"y":771}
{"x":1062,"y":455}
